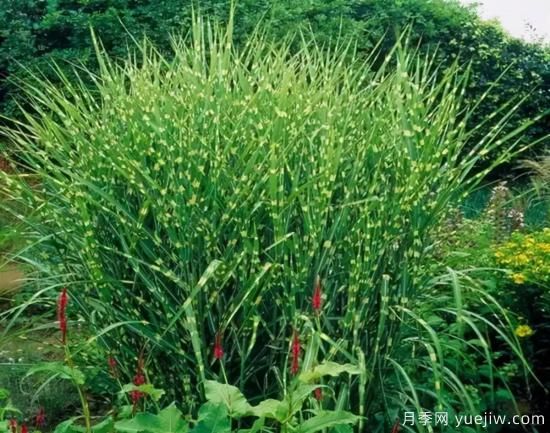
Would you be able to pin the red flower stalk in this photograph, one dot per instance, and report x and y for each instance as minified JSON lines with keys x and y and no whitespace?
{"x":295,"y":354}
{"x":40,"y":418}
{"x":136,"y":396}
{"x":112,"y":366}
{"x":317,"y":300}
{"x":13,"y":425}
{"x":318,"y":393}
{"x":218,"y":348}
{"x":61,"y":314}
{"x":24,"y":429}
{"x":139,"y":379}
{"x":396,"y":427}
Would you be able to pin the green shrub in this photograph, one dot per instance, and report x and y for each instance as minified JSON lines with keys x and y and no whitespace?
{"x":200,"y":195}
{"x":514,"y":266}
{"x":527,"y":256}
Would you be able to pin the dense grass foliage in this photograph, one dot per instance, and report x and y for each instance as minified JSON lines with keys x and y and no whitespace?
{"x":33,"y":33}
{"x":195,"y":199}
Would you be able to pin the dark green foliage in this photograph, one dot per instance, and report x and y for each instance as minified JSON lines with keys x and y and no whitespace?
{"x":35,"y":32}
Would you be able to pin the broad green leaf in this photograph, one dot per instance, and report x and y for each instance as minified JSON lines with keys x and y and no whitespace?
{"x":125,"y":411}
{"x":172,"y":421}
{"x":328,"y":369}
{"x":142,"y":422}
{"x":213,"y":418}
{"x":327,"y":419}
{"x":66,"y":426}
{"x":105,"y":426}
{"x":301,"y":392}
{"x":169,"y":420}
{"x":342,"y":428}
{"x":229,"y":395}
{"x":294,"y":401}
{"x":273,"y":409}
{"x":147,"y":388}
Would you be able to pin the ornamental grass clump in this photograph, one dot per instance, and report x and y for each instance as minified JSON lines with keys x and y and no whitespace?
{"x":207,"y":190}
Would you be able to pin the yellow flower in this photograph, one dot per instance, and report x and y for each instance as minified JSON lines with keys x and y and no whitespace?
{"x":518,"y":278}
{"x":522,"y":259}
{"x":524,"y":331}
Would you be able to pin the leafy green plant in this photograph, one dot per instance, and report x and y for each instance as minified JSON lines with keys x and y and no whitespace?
{"x":200,"y":198}
{"x":527,"y":257}
{"x":511,"y":266}
{"x":67,"y":370}
{"x":226,"y":402}
{"x":286,"y":413}
{"x":170,"y":420}
{"x":526,"y":260}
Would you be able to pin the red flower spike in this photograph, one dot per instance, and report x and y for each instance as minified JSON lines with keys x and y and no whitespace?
{"x":40,"y":418}
{"x":63,"y":329}
{"x":317,"y":300}
{"x":396,"y":427}
{"x":24,"y":429}
{"x":12,"y":424}
{"x":139,"y":379}
{"x":318,"y":393}
{"x":218,"y":348}
{"x":136,"y":397}
{"x":62,"y":302}
{"x":295,"y":354}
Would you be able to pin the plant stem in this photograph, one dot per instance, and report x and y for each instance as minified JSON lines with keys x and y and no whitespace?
{"x":81,"y":395}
